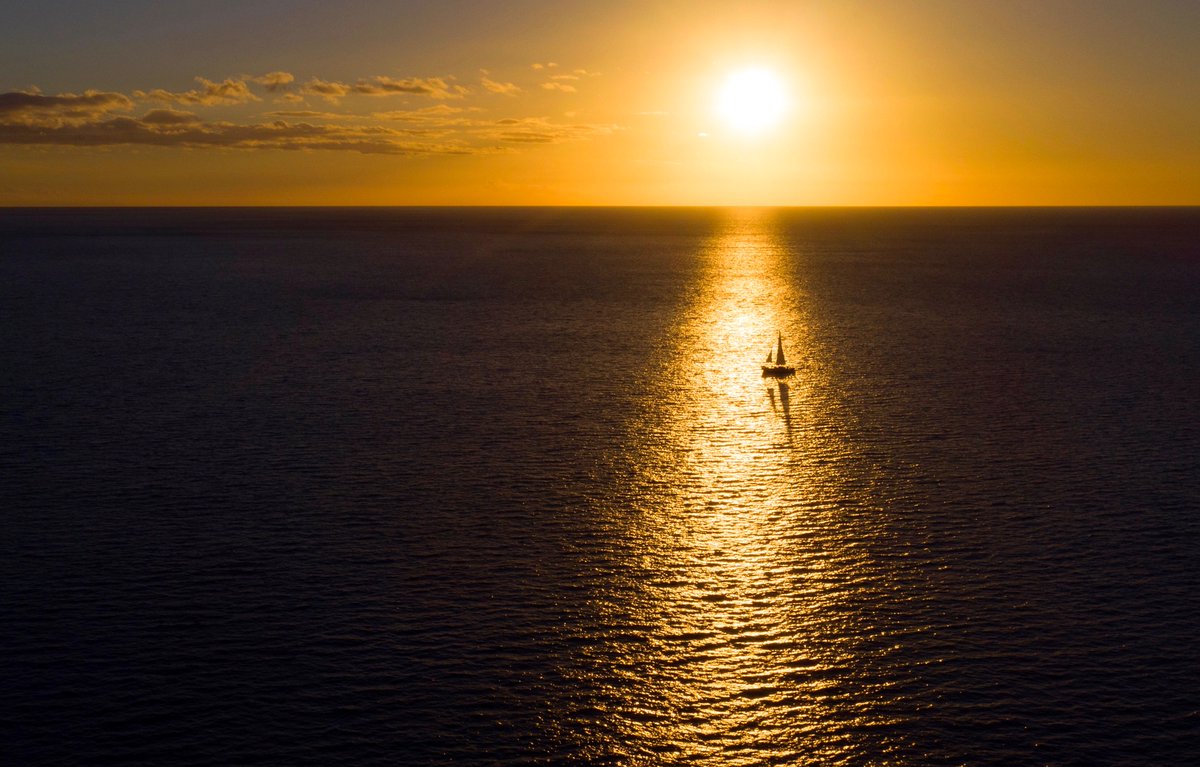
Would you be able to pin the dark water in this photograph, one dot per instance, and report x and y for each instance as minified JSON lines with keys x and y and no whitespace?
{"x":506,"y":487}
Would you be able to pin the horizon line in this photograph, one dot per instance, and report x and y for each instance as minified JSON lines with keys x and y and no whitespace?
{"x":269,"y":206}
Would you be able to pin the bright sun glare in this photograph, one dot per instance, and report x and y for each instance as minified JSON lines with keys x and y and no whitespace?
{"x":751,"y":101}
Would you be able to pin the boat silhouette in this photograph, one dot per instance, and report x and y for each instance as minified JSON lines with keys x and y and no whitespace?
{"x":777,"y":367}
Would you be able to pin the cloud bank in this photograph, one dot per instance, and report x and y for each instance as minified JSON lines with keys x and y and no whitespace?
{"x":31,"y":107}
{"x":101,"y":118}
{"x":178,"y":130}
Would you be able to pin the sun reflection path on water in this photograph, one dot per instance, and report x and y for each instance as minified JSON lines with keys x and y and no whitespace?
{"x":741,"y":575}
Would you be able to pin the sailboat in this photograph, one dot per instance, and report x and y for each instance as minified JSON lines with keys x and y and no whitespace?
{"x":778,"y":367}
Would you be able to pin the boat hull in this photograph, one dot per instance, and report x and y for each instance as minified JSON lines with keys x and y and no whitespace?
{"x":778,"y":371}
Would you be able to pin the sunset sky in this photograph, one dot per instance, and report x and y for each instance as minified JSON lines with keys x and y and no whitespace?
{"x":918,"y":102}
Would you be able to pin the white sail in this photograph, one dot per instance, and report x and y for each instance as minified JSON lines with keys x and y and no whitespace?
{"x":779,"y":360}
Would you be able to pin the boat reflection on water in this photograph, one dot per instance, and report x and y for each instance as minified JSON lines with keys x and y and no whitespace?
{"x":733,"y":587}
{"x":785,"y":405}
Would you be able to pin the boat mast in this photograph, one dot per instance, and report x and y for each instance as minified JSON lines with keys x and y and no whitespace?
{"x":779,"y":360}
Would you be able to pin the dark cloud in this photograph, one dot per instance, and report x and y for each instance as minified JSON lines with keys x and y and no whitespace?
{"x":33,"y":107}
{"x":169,"y":117}
{"x":88,"y":120}
{"x":310,"y":114}
{"x":276,"y":135}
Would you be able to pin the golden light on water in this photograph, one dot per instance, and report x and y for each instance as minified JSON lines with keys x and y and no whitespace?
{"x":742,"y":572}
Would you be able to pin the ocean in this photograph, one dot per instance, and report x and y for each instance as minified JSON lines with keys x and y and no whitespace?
{"x":507,"y":487}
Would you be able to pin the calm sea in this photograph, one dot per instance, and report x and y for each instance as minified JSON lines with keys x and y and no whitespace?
{"x":506,"y":487}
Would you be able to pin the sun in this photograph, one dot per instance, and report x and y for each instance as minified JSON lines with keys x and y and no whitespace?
{"x":752,"y":101}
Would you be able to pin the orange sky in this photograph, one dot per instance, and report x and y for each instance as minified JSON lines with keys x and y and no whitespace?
{"x":897,"y":103}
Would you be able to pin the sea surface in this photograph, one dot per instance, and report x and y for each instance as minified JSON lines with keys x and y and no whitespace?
{"x":506,"y":487}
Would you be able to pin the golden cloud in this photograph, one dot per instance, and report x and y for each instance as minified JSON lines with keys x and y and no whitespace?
{"x":381,"y":85}
{"x":275,"y":82}
{"x":228,"y":91}
{"x":507,"y":89}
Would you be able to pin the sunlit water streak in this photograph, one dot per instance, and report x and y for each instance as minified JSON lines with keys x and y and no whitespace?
{"x":506,"y":487}
{"x":744,"y":565}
